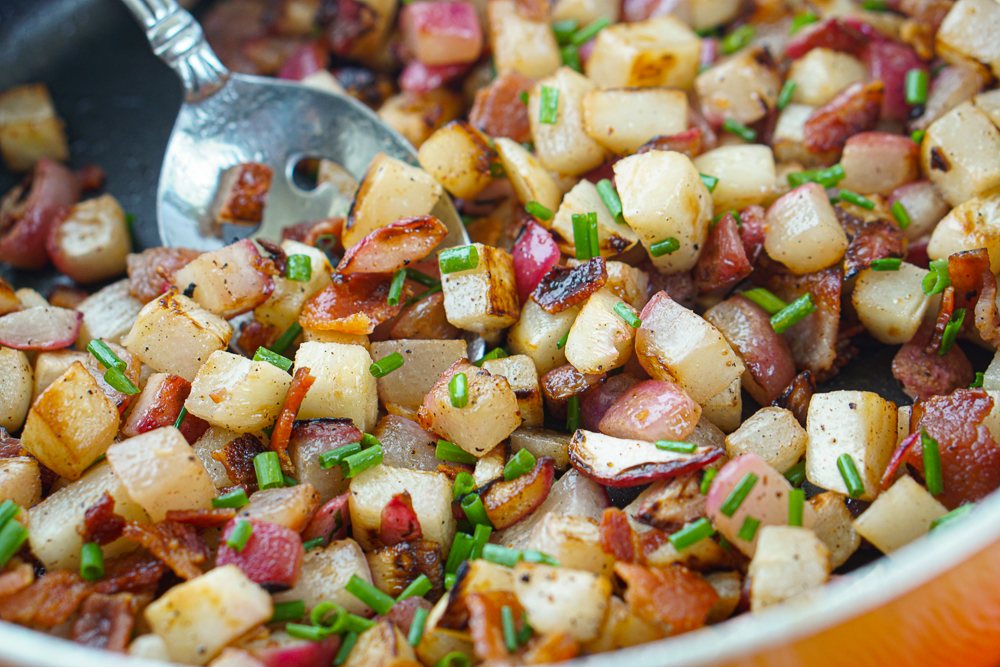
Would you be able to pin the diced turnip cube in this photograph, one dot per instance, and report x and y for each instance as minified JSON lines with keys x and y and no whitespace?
{"x":520,"y":44}
{"x":970,"y":225}
{"x":226,"y":281}
{"x":662,"y":51}
{"x":623,"y":119}
{"x":878,"y":163}
{"x":541,"y":442}
{"x":834,"y":525}
{"x":573,"y":541}
{"x":91,"y":243}
{"x":746,"y":175}
{"x":789,"y":561}
{"x":344,"y":385}
{"x":30,"y":129}
{"x":891,"y":304}
{"x":899,"y":516}
{"x":789,"y":138}
{"x":484,"y":298}
{"x":822,"y":73}
{"x":212,"y":440}
{"x":725,"y":409}
{"x":20,"y":481}
{"x":108,"y":314}
{"x":537,"y":334}
{"x":600,"y":340}
{"x":423,"y":363}
{"x":969,"y":33}
{"x":961,"y":154}
{"x":744,"y":87}
{"x":564,"y":146}
{"x":585,"y":12}
{"x":416,"y":116}
{"x":530,"y":181}
{"x":16,"y":384}
{"x":773,"y":434}
{"x":325,"y":572}
{"x":237,"y":393}
{"x":803,"y":232}
{"x":560,"y":599}
{"x":384,"y":644}
{"x":612,"y":238}
{"x":289,"y":506}
{"x":458,"y":157}
{"x":283,"y":306}
{"x":522,"y":376}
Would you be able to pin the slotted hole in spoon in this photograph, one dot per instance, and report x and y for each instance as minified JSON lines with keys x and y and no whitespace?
{"x":308,"y":173}
{"x":305,"y":173}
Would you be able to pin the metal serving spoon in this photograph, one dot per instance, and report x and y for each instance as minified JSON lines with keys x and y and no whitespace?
{"x":229,"y":118}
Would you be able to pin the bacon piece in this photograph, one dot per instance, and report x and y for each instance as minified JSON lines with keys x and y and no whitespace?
{"x":425,"y":320}
{"x":344,"y":23}
{"x":160,"y":405}
{"x":136,"y":572}
{"x":301,"y":383}
{"x":151,"y":272}
{"x":923,"y":374}
{"x":559,"y":384}
{"x":100,"y":523}
{"x":253,"y":336}
{"x":16,"y":578}
{"x":550,"y":648}
{"x":723,"y":261}
{"x":671,"y":503}
{"x":564,"y":287}
{"x":178,"y":545}
{"x":674,"y":597}
{"x":943,"y":318}
{"x":105,"y":622}
{"x":242,"y":193}
{"x":498,"y":110}
{"x":330,"y":521}
{"x":689,"y":142}
{"x":49,"y":601}
{"x":394,"y":246}
{"x":970,"y":457}
{"x":797,"y":395}
{"x":205,"y":518}
{"x":399,"y":522}
{"x":874,"y":240}
{"x":486,"y":623}
{"x":834,"y":34}
{"x":813,"y":340}
{"x":898,"y":456}
{"x":30,"y":209}
{"x":855,"y":109}
{"x":618,"y":538}
{"x":237,"y":458}
{"x":272,"y":556}
{"x":353,"y":304}
{"x":976,"y":288}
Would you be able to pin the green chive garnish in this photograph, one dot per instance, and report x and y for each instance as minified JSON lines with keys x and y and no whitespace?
{"x":916,"y":86}
{"x":537,"y":210}
{"x":524,"y":97}
{"x":299,"y":268}
{"x":454,"y":659}
{"x":627,"y":314}
{"x":495,"y":353}
{"x":91,"y":561}
{"x":738,"y":494}
{"x":309,"y":545}
{"x":951,"y":331}
{"x":745,"y":133}
{"x":584,"y":35}
{"x":308,"y":632}
{"x":692,"y":533}
{"x":12,"y":536}
{"x":563,"y":30}
{"x":678,"y":447}
{"x":765,"y":299}
{"x":573,"y":414}
{"x":886,"y":264}
{"x":611,"y":200}
{"x":287,"y":338}
{"x":117,"y":379}
{"x":709,"y":181}
{"x":796,"y":474}
{"x":737,"y":39}
{"x":519,"y":464}
{"x":355,"y":464}
{"x":749,"y":529}
{"x":417,"y":626}
{"x":849,"y":472}
{"x":801,"y":21}
{"x":346,"y":646}
{"x":292,"y":610}
{"x":932,"y":463}
{"x":475,"y":511}
{"x":509,"y":631}
{"x":369,"y":595}
{"x":333,"y":457}
{"x":571,"y":57}
{"x":796,"y":504}
{"x":951,"y":516}
{"x":386,"y":365}
{"x":501,"y":555}
{"x":461,"y":547}
{"x":978,"y":382}
{"x":105,"y":355}
{"x":180,"y":417}
{"x":706,"y":480}
{"x":420,"y":587}
{"x":828,"y":177}
{"x":918,"y":136}
{"x":582,"y":223}
{"x":664,"y":247}
{"x":449,"y":451}
{"x":937,"y":280}
{"x":548,"y":112}
{"x":796,"y":310}
{"x":237,"y":498}
{"x":458,"y":390}
{"x":561,"y":343}
{"x":396,"y":288}
{"x":268,"y":470}
{"x":238,"y":538}
{"x":899,"y":212}
{"x":875,"y":5}
{"x":464,"y":482}
{"x":264,"y":354}
{"x":857,"y":199}
{"x":462,"y":258}
{"x":422,"y":278}
{"x":785,"y":96}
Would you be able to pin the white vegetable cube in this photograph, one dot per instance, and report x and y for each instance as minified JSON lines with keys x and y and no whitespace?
{"x":20,"y":481}
{"x":628,"y":282}
{"x":664,"y":197}
{"x":541,"y":442}
{"x":423,"y":363}
{"x":199,"y":617}
{"x":659,"y":52}
{"x":574,"y":541}
{"x":623,"y":119}
{"x":239,"y":394}
{"x":802,"y":231}
{"x":108,"y":314}
{"x":559,"y":599}
{"x":891,"y":304}
{"x":789,"y":138}
{"x":899,"y":516}
{"x":771,"y":433}
{"x":563,"y":146}
{"x":708,"y":14}
{"x":162,"y":472}
{"x":417,"y":116}
{"x":822,"y":73}
{"x":530,"y":181}
{"x":744,"y":87}
{"x":600,"y":340}
{"x":858,"y":423}
{"x":173,"y":334}
{"x":430,"y":493}
{"x":344,"y":385}
{"x":214,"y":439}
{"x":835,"y":526}
{"x":71,"y":423}
{"x":745,"y":172}
{"x":52,"y":523}
{"x":969,"y":33}
{"x":522,"y":376}
{"x":961,"y":153}
{"x":970,"y":225}
{"x":92,"y":241}
{"x":30,"y":129}
{"x":585,"y":12}
{"x":582,"y":199}
{"x":789,"y":561}
{"x":16,"y":385}
{"x":324,"y":574}
{"x":484,"y":298}
{"x":458,"y":156}
{"x":283,"y":306}
{"x":520,"y":44}
{"x":537,"y":334}
{"x":390,"y":190}
{"x":989,"y":104}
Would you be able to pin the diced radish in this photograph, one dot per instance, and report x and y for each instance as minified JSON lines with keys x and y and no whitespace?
{"x":417,"y":77}
{"x":159,"y":405}
{"x":29,"y":210}
{"x":889,"y":62}
{"x":394,"y":246}
{"x":272,"y":557}
{"x":507,"y":502}
{"x":835,"y":34}
{"x":617,"y":462}
{"x":281,"y":650}
{"x":595,"y":403}
{"x":330,"y":521}
{"x":534,"y":253}
{"x":879,"y":162}
{"x":40,"y":328}
{"x":399,"y":521}
{"x":923,"y":204}
{"x":652,"y":410}
{"x":439,"y":32}
{"x":309,"y":59}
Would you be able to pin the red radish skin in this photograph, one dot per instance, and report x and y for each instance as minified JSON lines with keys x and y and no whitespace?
{"x":393,"y":247}
{"x":419,"y":78}
{"x":723,"y":261}
{"x":309,"y":59}
{"x":439,"y":32}
{"x":40,"y":328}
{"x":889,"y":62}
{"x":399,"y":522}
{"x":834,"y":34}
{"x":617,"y":462}
{"x":652,"y":410}
{"x":284,"y":651}
{"x":160,"y":404}
{"x":25,"y":220}
{"x":507,"y":502}
{"x":272,"y":556}
{"x":879,"y":162}
{"x":595,"y":403}
{"x":330,"y":522}
{"x":534,"y":253}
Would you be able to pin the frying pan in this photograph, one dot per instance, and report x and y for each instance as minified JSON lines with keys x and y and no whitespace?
{"x":934,"y":603}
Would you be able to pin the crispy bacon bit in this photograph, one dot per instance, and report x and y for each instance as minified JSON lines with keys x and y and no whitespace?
{"x":17,"y":577}
{"x":943,"y":318}
{"x":276,"y":255}
{"x":671,"y":503}
{"x":976,"y":289}
{"x":797,"y":395}
{"x":898,"y":456}
{"x":105,"y":622}
{"x":283,"y":427}
{"x":353,"y":304}
{"x":136,"y":572}
{"x":498,"y":110}
{"x":559,"y":384}
{"x":551,"y":648}
{"x":178,"y":545}
{"x":618,"y":538}
{"x":874,"y":240}
{"x":689,"y":142}
{"x":151,"y":272}
{"x":242,"y":193}
{"x":204,"y":518}
{"x":100,"y":523}
{"x":922,"y":374}
{"x":399,"y":521}
{"x":344,"y":23}
{"x":855,"y":109}
{"x":970,"y":457}
{"x":673,"y":597}
{"x":486,"y":623}
{"x":834,"y":34}
{"x":813,"y":340}
{"x":394,"y":246}
{"x":564,"y":287}
{"x":723,"y":261}
{"x":49,"y":601}
{"x":237,"y":458}
{"x":253,"y":336}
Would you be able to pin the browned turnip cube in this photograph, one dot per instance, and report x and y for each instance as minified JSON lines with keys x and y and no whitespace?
{"x":30,"y":128}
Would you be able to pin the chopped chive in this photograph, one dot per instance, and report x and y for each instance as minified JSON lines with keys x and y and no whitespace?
{"x":857,"y":199}
{"x":563,"y":30}
{"x":749,"y":529}
{"x":951,"y":331}
{"x":937,"y":280}
{"x":496,"y":171}
{"x":581,"y":235}
{"x":706,"y":480}
{"x":419,"y":587}
{"x":571,"y":57}
{"x":736,"y":40}
{"x":417,"y":626}
{"x":538,"y":211}
{"x":449,"y":451}
{"x":454,"y":659}
{"x":978,"y":382}
{"x":287,"y":338}
{"x":678,"y":447}
{"x":463,"y":258}
{"x":309,"y":545}
{"x":519,"y":464}
{"x":875,"y":5}
{"x":458,"y":390}
{"x":449,"y":581}
{"x":524,"y":97}
{"x":289,"y":481}
{"x":796,"y":474}
{"x":548,"y":112}
{"x":180,"y":417}
{"x":745,"y":133}
{"x":796,"y":505}
{"x":828,"y":177}
{"x":573,"y":414}
{"x":692,"y":533}
{"x":475,"y":511}
{"x":369,"y":440}
{"x":386,"y":365}
{"x":346,"y":646}
{"x":886,"y":264}
{"x":899,"y":212}
{"x":623,"y":311}
{"x":785,"y":96}
{"x":611,"y":200}
{"x":299,"y":268}
{"x":584,"y":35}
{"x":495,"y":353}
{"x":369,"y":595}
{"x":595,"y":244}
{"x":396,"y":288}
{"x":355,"y":464}
{"x":422,"y":278}
{"x":327,"y":615}
{"x":509,"y":631}
{"x":561,"y":343}
{"x":333,"y":457}
{"x":264,"y":354}
{"x":91,"y":561}
{"x":951,"y":516}
{"x":765,"y":299}
{"x":535,"y":556}
{"x":501,"y":555}
{"x":461,"y":547}
{"x":664,"y":247}
{"x":932,"y":463}
{"x":237,"y":498}
{"x":288,"y":611}
{"x":801,"y":21}
{"x":105,"y":355}
{"x":464,"y":482}
{"x":709,"y":181}
{"x":918,"y":136}
{"x":796,"y":310}
{"x":526,"y":631}
{"x":12,"y":536}
{"x":849,"y":473}
{"x":355,"y":623}
{"x":8,"y":510}
{"x":237,"y":540}
{"x":268,"y":470}
{"x":480,"y":537}
{"x":916,"y":86}
{"x":117,"y":379}
{"x":738,"y":494}
{"x":308,"y":632}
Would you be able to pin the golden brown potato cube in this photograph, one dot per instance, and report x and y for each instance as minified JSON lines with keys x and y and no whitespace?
{"x":344,"y":385}
{"x":564,"y":146}
{"x":324,"y":574}
{"x":30,"y":129}
{"x":662,"y":51}
{"x":520,"y":44}
{"x":523,"y":378}
{"x":20,"y":481}
{"x":236,"y":393}
{"x":417,"y":115}
{"x":530,"y":181}
{"x":484,"y":298}
{"x":458,"y":156}
{"x":16,"y":382}
{"x":381,"y":646}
